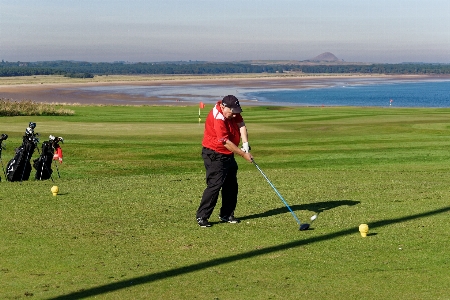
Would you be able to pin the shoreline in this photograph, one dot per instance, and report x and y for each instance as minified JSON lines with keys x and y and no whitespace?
{"x":67,"y":91}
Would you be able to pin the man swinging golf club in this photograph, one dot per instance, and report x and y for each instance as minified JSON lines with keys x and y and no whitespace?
{"x":224,"y":129}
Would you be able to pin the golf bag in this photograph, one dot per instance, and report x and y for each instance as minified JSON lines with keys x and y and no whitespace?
{"x":50,"y":150}
{"x":19,"y":168}
{"x":2,"y":138}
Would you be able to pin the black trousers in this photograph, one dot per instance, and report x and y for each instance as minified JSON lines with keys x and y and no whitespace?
{"x":221,"y":176}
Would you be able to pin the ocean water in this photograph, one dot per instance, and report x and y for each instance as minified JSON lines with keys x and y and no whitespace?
{"x":396,"y":94}
{"x":341,"y":92}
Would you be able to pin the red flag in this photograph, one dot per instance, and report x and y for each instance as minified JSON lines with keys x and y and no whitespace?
{"x":202,"y":105}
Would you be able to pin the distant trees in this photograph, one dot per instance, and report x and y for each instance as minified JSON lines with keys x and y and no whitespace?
{"x":88,"y":70}
{"x":70,"y":69}
{"x":79,"y":75}
{"x":380,"y":69}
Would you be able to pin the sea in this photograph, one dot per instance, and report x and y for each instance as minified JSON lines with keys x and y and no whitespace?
{"x":397,"y":94}
{"x":366,"y":93}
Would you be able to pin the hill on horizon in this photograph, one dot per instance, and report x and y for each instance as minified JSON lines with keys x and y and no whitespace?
{"x":326,"y":56}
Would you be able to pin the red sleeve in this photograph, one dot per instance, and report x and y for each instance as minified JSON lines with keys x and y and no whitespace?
{"x":239,"y":119}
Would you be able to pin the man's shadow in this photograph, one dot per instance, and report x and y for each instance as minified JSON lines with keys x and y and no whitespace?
{"x":317,"y":207}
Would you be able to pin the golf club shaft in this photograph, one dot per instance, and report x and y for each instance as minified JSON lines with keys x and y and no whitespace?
{"x":276,"y":191}
{"x":56,"y":165}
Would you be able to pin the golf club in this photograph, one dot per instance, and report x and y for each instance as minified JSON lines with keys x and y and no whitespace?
{"x":56,"y":165}
{"x":302,"y":226}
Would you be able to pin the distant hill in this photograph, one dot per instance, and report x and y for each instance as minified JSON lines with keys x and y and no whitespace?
{"x":325,"y":57}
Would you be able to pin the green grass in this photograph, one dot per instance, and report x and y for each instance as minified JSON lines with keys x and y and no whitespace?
{"x":123,"y":225}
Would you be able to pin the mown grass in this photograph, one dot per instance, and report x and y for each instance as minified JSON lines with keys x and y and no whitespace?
{"x":123,"y":225}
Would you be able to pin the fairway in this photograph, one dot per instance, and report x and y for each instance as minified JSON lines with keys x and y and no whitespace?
{"x":123,"y":225}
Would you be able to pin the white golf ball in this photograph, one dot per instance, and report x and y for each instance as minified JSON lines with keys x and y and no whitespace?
{"x":313,"y":217}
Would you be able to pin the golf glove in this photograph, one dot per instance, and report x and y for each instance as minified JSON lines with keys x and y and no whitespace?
{"x":246,"y":147}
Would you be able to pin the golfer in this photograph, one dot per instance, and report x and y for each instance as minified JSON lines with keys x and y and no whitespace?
{"x":224,"y":129}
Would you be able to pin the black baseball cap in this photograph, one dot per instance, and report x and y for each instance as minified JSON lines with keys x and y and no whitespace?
{"x":232,"y":102}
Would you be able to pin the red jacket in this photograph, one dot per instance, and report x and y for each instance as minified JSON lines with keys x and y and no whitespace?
{"x":218,"y":130}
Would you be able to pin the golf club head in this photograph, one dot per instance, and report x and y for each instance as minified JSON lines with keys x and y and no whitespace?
{"x":304,"y":227}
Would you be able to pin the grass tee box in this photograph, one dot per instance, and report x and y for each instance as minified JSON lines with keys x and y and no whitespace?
{"x":123,"y":223}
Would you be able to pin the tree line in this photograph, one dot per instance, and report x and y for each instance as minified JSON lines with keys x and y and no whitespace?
{"x":409,"y":68}
{"x":89,"y":69}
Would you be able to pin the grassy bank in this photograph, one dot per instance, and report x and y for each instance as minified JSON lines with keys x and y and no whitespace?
{"x":30,"y":108}
{"x":123,"y":225}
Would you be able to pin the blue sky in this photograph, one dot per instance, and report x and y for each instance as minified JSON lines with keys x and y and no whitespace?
{"x":389,"y":31}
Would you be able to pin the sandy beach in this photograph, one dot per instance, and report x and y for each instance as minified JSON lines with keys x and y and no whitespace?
{"x":56,"y":89}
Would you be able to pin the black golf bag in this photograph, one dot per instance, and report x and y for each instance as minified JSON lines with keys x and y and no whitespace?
{"x":2,"y":138}
{"x":19,"y":168}
{"x":43,"y":164}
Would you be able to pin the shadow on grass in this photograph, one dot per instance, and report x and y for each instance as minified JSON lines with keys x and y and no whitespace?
{"x":317,"y":207}
{"x":103,"y":289}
